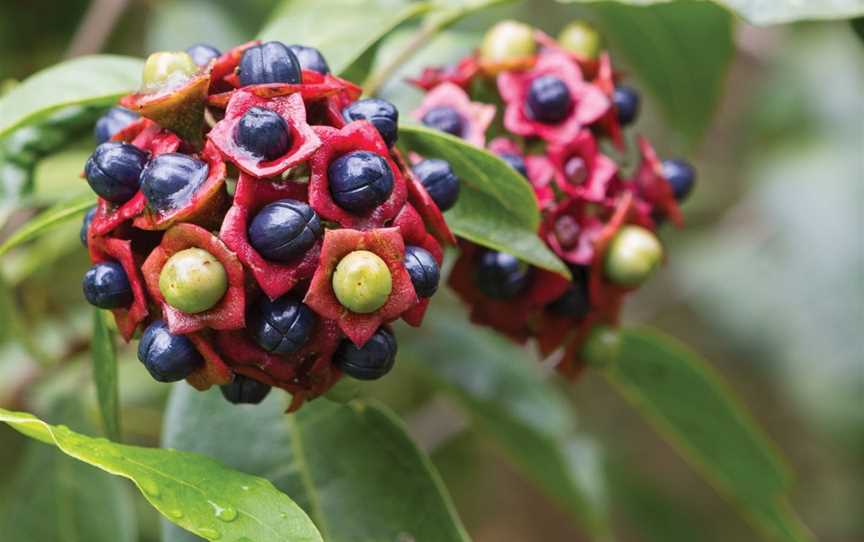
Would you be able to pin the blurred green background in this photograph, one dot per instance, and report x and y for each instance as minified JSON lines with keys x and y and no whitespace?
{"x":767,"y":282}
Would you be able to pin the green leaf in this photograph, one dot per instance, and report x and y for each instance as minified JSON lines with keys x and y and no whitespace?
{"x":104,"y":358}
{"x":692,"y":408}
{"x":503,"y":390}
{"x":681,"y":51}
{"x":351,"y":467}
{"x":46,"y":220}
{"x":191,"y":490}
{"x":94,"y":80}
{"x":344,"y":31}
{"x":496,"y":206}
{"x":50,"y":496}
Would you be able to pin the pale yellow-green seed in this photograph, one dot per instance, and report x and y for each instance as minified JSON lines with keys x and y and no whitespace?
{"x":602,"y":347}
{"x":362,"y":282}
{"x":633,"y":256}
{"x":167,"y":70}
{"x":193,"y":280}
{"x":582,"y":39}
{"x":507,"y":40}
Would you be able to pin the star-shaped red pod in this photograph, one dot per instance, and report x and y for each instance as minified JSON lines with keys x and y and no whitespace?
{"x":476,"y":116}
{"x":359,"y":135}
{"x":274,"y":278}
{"x":414,"y":233}
{"x":328,"y":111}
{"x":205,"y":206}
{"x":215,"y":371}
{"x":225,"y":66}
{"x":304,"y":141}
{"x":605,"y":81}
{"x":104,"y":249}
{"x":289,"y":371}
{"x":572,"y":228}
{"x":653,"y":187}
{"x":179,"y":109}
{"x":228,"y":313}
{"x":514,"y":316}
{"x":589,"y":102}
{"x":423,"y":203}
{"x":315,"y":86}
{"x":581,"y":170}
{"x":387,"y":243}
{"x":149,"y":136}
{"x":461,"y":74}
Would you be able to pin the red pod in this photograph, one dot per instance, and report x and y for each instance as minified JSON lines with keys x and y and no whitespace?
{"x":315,"y":86}
{"x":215,"y":371}
{"x":653,"y":187}
{"x":571,"y":229}
{"x":359,"y":135}
{"x":387,"y":244}
{"x":103,"y":249}
{"x":224,"y":66}
{"x":251,"y":195}
{"x":149,"y":136}
{"x":514,"y":316}
{"x":423,"y":204}
{"x":413,"y":231}
{"x":539,"y":168}
{"x":605,"y":81}
{"x":581,"y":170}
{"x":304,"y":141}
{"x":229,"y":312}
{"x":462,"y":74}
{"x":475,"y":115}
{"x":205,"y":206}
{"x":180,"y":110}
{"x":589,"y":102}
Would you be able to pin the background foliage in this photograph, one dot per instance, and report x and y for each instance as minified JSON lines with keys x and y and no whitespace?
{"x":766,"y":282}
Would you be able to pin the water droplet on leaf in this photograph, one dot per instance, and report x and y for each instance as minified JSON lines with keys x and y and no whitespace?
{"x":208,"y":533}
{"x":149,"y":487}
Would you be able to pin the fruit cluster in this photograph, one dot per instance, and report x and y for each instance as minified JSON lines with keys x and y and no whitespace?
{"x":559,"y":102}
{"x":256,"y":223}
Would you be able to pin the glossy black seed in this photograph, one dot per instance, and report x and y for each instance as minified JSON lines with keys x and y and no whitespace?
{"x":284,"y":230}
{"x":516,"y":162}
{"x":626,"y":101}
{"x":106,"y":286}
{"x":113,"y":170}
{"x":549,"y":100}
{"x":423,"y":270}
{"x":244,"y":390}
{"x":85,"y":225}
{"x":202,"y":53}
{"x":360,"y":181}
{"x":114,"y":120}
{"x":573,"y":303}
{"x":681,"y":175}
{"x":380,"y":113}
{"x":372,"y":361}
{"x":440,"y":181}
{"x":170,"y":180}
{"x":310,"y":58}
{"x":263,"y":133}
{"x":271,"y":62}
{"x":500,"y":275}
{"x":281,"y":326}
{"x":167,"y":357}
{"x":446,"y":119}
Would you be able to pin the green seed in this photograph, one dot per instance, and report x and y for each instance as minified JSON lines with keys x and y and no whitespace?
{"x":633,"y":256}
{"x":167,"y":70}
{"x":193,"y":281}
{"x":602,"y":347}
{"x":507,"y":40}
{"x":580,"y":38}
{"x":362,"y":282}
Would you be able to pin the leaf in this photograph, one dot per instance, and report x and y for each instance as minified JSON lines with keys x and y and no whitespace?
{"x":104,"y":358}
{"x":344,"y":31}
{"x":681,"y":51}
{"x":94,"y":80}
{"x":506,"y":395}
{"x":496,"y":206}
{"x":351,"y":467}
{"x":46,"y":220}
{"x":761,"y":12}
{"x":50,"y":496}
{"x":692,"y":408}
{"x":191,"y":490}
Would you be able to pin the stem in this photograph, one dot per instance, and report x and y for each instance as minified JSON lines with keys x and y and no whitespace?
{"x":377,"y":80}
